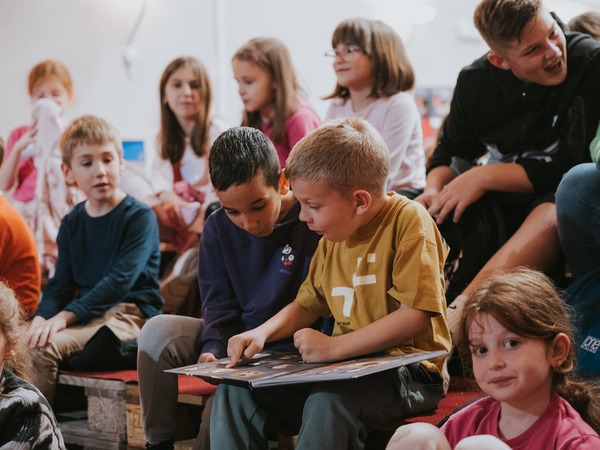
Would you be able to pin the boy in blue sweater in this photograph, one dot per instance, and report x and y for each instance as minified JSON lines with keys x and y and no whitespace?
{"x":108,"y":257}
{"x":254,"y":254}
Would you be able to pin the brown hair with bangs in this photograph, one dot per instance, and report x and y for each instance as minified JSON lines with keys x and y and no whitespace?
{"x":527,"y":303}
{"x":392,"y":71}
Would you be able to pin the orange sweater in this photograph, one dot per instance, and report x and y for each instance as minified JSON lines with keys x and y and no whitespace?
{"x":19,"y":263}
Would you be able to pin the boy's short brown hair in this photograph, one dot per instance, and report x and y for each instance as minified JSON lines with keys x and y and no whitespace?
{"x":347,"y":154}
{"x":88,"y":130}
{"x":502,"y":21}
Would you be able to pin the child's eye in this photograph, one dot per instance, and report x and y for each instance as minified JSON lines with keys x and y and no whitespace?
{"x":315,"y":207}
{"x":177,"y":84}
{"x":478,"y":351}
{"x":258,"y":207}
{"x":231,"y":212}
{"x":510,"y":343}
{"x":194,"y":85}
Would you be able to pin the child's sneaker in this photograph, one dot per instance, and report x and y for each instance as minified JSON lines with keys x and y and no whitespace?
{"x":176,"y":286}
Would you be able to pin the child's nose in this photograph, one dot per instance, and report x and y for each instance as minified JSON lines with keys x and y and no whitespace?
{"x":495,"y":360}
{"x":303,"y":216}
{"x":553,"y":51}
{"x":100,"y":169}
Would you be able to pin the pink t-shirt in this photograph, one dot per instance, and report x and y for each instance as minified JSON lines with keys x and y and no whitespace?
{"x":27,"y":175}
{"x":398,"y":121}
{"x":302,"y":121}
{"x":559,"y":428}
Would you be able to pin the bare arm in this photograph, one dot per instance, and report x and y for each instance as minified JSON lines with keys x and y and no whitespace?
{"x":383,"y":334}
{"x":283,"y":324}
{"x":10,"y":167}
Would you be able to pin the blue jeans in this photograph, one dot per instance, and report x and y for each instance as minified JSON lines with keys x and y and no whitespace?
{"x":578,"y":214}
{"x":329,"y":415}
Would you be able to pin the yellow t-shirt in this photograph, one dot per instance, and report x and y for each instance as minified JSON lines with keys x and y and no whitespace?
{"x":397,"y":259}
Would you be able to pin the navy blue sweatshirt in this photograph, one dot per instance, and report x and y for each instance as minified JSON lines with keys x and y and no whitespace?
{"x":103,"y":261}
{"x":245,"y":279}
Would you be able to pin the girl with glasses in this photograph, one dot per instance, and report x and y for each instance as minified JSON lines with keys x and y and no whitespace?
{"x":374,"y":77}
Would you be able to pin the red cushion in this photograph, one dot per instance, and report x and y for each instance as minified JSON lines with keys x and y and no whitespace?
{"x":187,"y":384}
{"x":127,"y":376}
{"x":194,"y":385}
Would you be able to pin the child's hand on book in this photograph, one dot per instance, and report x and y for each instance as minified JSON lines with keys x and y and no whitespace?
{"x":244,"y":346}
{"x":315,"y":346}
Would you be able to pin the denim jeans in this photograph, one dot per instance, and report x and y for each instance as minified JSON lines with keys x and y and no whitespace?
{"x":578,"y":214}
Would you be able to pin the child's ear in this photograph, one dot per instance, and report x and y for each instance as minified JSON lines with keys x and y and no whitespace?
{"x":284,"y":183}
{"x":10,"y":352}
{"x":68,"y":173}
{"x":561,"y":344}
{"x":362,"y":201}
{"x":497,"y":61}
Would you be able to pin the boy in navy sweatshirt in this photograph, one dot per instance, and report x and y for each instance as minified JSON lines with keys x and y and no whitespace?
{"x":108,"y":257}
{"x":254,"y":254}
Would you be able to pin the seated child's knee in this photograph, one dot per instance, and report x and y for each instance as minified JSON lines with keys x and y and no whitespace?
{"x":418,"y":436}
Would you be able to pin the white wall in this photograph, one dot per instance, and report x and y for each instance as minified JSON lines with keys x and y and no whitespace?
{"x":90,"y":37}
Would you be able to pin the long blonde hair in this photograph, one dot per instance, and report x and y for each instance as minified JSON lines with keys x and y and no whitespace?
{"x":12,"y":318}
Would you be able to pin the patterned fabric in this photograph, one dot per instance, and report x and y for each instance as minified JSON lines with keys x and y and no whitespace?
{"x":52,"y":198}
{"x":26,"y":419}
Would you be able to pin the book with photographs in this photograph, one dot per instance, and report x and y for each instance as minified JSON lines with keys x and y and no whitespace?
{"x":272,"y":369}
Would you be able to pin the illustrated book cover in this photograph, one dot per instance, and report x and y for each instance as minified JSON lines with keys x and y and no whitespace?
{"x":272,"y":368}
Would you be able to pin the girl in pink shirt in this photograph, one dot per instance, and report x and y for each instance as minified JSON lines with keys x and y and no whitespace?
{"x":516,"y":334}
{"x":32,"y":163}
{"x":272,"y":96}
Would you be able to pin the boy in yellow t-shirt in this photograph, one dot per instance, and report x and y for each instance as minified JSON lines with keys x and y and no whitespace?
{"x":379,"y":272}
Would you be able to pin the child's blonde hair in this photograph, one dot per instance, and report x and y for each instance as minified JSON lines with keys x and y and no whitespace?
{"x":271,"y":55}
{"x":12,"y":318}
{"x":392,"y":71}
{"x":526,"y":302}
{"x":171,"y":136}
{"x":47,"y":69}
{"x":347,"y":154}
{"x":88,"y":130}
{"x":502,"y":21}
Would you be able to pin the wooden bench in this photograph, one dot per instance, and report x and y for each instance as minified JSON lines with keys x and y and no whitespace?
{"x":113,"y":416}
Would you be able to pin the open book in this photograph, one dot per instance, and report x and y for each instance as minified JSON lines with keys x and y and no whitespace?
{"x":271,"y":369}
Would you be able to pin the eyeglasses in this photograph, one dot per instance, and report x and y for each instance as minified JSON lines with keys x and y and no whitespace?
{"x":349,"y":53}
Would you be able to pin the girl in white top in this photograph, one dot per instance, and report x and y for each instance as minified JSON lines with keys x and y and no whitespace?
{"x":374,"y":76}
{"x":180,"y":176}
